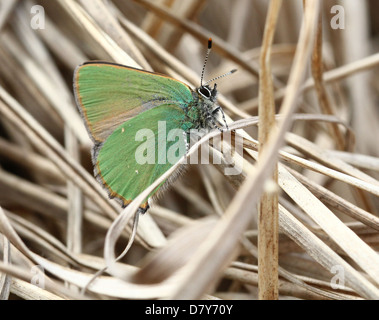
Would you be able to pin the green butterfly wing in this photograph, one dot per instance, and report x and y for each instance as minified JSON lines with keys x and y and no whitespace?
{"x":139,"y":151}
{"x":109,"y":94}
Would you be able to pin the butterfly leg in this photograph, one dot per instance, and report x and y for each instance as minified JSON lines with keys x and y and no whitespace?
{"x":223,"y":115}
{"x":216,"y":110}
{"x":211,"y":120}
{"x":143,"y":210}
{"x":139,"y":210}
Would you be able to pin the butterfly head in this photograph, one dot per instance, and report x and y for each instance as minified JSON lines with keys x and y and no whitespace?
{"x":207,"y":92}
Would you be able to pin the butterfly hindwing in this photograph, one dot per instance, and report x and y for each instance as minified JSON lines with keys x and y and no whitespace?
{"x":109,"y":94}
{"x":139,"y":151}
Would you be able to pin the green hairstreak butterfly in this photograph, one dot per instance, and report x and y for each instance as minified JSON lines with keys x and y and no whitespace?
{"x":119,"y":102}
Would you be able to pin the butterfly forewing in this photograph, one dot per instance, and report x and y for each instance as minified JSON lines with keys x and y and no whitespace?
{"x":109,"y":94}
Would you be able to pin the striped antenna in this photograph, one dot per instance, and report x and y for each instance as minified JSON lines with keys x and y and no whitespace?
{"x":223,"y":75}
{"x":205,"y":61}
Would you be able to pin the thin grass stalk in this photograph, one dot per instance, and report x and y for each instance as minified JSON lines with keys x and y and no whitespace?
{"x":236,"y":218}
{"x":317,"y":73}
{"x":75,"y":199}
{"x":200,"y":33}
{"x":101,"y":14}
{"x":268,"y":225}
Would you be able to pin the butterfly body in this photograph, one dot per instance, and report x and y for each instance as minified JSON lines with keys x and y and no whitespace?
{"x":200,"y":113}
{"x":130,"y":115}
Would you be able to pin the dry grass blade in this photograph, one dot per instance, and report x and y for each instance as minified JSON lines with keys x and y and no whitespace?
{"x":75,"y":199}
{"x":202,"y":35}
{"x":5,"y":279}
{"x":324,"y":255}
{"x":268,"y":221}
{"x":108,"y":286}
{"x":111,"y":48}
{"x":48,"y":146}
{"x":6,"y":10}
{"x":317,"y":73}
{"x":359,"y":251}
{"x":337,"y":202}
{"x":236,"y":218}
{"x":357,"y":160}
{"x":100,"y":12}
{"x":330,"y":76}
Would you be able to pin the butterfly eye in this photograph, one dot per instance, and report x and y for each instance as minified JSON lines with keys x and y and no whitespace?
{"x":205,"y":92}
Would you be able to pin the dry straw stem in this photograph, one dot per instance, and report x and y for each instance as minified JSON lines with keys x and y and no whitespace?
{"x":315,"y":209}
{"x":111,"y":48}
{"x":325,"y":195}
{"x":237,"y":217}
{"x":268,"y":225}
{"x":55,"y":214}
{"x":46,"y":144}
{"x":5,"y":279}
{"x":317,"y":73}
{"x":296,"y":282}
{"x":201,"y":34}
{"x":109,"y":24}
{"x":324,"y":101}
{"x":6,"y":9}
{"x":329,"y":77}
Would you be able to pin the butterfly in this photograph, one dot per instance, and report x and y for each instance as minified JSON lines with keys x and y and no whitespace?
{"x":117,"y":103}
